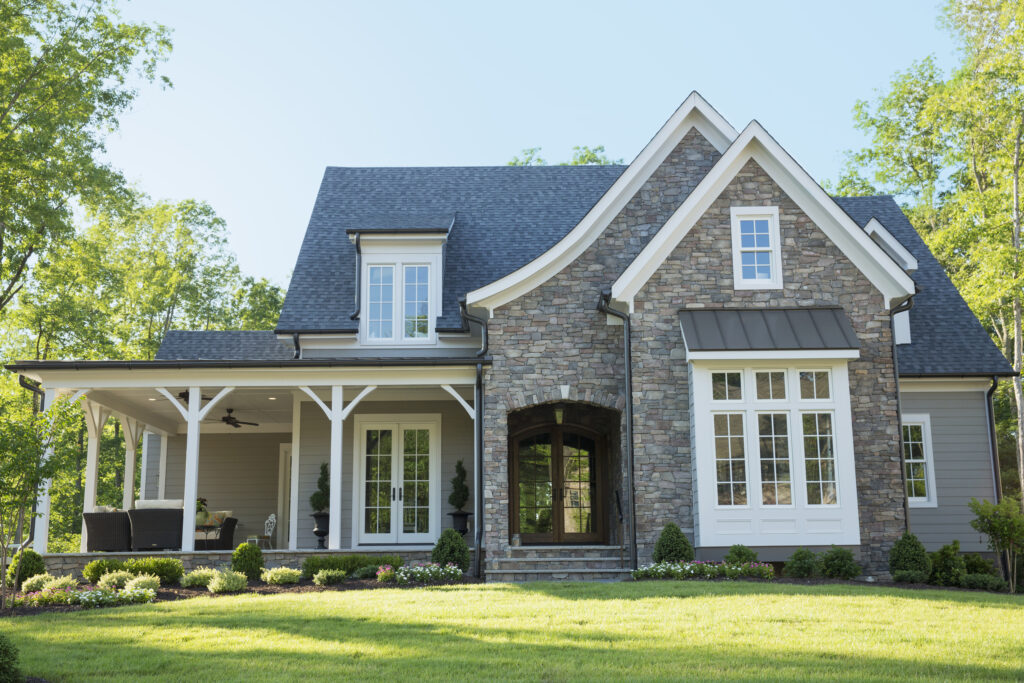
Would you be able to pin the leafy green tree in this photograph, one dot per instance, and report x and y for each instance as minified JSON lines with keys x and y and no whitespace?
{"x":531,"y":157}
{"x":581,"y":156}
{"x":66,"y":75}
{"x":1003,"y":523}
{"x":256,"y":304}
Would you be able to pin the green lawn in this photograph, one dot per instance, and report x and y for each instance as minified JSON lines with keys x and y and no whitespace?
{"x":628,"y":630}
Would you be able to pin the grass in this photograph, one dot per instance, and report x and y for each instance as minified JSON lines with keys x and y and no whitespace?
{"x":640,"y":631}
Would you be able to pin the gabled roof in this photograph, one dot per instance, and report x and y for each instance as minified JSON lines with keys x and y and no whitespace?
{"x":946,"y":337}
{"x":505,"y":216}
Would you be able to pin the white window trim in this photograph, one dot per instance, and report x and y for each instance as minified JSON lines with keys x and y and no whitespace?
{"x":925,"y":420}
{"x":738,"y":213}
{"x":399,"y":260}
{"x":756,"y":524}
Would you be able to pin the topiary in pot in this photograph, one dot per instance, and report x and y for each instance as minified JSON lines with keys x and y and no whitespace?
{"x":248,"y":559}
{"x":451,"y":548}
{"x":672,"y":545}
{"x":320,"y":501}
{"x":908,"y":554}
{"x":458,"y":498}
{"x":25,"y":563}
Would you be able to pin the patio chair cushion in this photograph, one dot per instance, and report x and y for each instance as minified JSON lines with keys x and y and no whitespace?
{"x":160,"y":504}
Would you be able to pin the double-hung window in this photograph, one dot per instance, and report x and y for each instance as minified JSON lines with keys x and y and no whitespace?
{"x":399,"y":302}
{"x":918,"y":461}
{"x":756,"y":247}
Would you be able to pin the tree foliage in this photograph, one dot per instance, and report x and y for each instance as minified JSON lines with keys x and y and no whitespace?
{"x":581,"y":156}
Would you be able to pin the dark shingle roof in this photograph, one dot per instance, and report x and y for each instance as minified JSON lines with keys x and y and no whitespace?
{"x":505,"y":216}
{"x":777,"y":329}
{"x":222,"y":345}
{"x":946,"y":337}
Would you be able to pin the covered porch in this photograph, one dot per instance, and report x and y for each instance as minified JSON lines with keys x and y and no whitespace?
{"x":390,"y":434}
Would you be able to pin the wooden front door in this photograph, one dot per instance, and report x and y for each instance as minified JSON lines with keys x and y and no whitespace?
{"x":557,"y":485}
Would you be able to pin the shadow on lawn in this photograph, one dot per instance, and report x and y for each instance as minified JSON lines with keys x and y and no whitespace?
{"x":344,"y":646}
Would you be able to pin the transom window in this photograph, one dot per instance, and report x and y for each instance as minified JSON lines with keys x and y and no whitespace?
{"x":756,"y":247}
{"x":726,"y":386}
{"x":918,"y":463}
{"x":814,"y":385}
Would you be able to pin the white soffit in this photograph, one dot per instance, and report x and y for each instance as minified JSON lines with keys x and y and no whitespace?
{"x":694,"y":112}
{"x":755,"y":143}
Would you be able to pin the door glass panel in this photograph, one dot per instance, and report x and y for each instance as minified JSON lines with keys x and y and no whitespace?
{"x":535,"y":485}
{"x":577,"y":484}
{"x":377,"y":519}
{"x":415,"y":481}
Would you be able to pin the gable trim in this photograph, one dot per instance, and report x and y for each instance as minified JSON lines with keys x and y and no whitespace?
{"x":885,"y":239}
{"x":693,"y":113}
{"x":755,"y":143}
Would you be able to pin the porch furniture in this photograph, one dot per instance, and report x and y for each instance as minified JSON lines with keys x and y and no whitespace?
{"x":108,"y":531}
{"x":225,"y":536}
{"x":268,"y":532}
{"x":156,"y":529}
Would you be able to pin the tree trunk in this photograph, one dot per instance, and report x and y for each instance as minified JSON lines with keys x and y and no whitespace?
{"x":1018,"y":341}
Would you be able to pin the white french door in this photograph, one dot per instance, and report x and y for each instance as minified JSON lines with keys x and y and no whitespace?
{"x":398,"y":496}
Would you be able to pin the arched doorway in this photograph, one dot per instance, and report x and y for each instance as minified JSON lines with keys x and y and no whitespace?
{"x":559,"y":473}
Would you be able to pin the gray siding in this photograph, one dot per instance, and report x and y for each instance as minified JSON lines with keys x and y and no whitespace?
{"x":314,"y":449}
{"x":151,"y":451}
{"x":963,"y":466}
{"x":237,"y":472}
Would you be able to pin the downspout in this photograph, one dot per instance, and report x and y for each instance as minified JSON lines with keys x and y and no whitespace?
{"x":904,"y":305}
{"x":478,"y":422}
{"x":298,"y":346}
{"x":627,"y":357}
{"x":997,"y":478}
{"x":359,"y":279}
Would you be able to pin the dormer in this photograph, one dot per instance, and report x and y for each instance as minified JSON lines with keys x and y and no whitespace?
{"x":399,"y":265}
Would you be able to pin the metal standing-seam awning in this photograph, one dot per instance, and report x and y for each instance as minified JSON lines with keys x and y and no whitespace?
{"x":776,"y":329}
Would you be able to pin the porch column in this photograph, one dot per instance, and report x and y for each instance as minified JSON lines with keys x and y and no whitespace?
{"x":337,"y":423}
{"x":132,"y":432}
{"x":95,"y":417}
{"x":41,"y":532}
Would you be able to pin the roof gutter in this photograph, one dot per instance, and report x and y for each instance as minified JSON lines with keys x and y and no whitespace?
{"x":467,"y":318}
{"x":25,"y":366}
{"x":904,"y":305}
{"x":627,"y":357}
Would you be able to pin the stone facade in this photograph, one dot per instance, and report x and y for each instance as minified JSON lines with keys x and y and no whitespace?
{"x":552,"y":345}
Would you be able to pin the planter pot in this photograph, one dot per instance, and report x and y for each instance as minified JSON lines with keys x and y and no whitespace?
{"x":320,"y":521}
{"x":460,"y":521}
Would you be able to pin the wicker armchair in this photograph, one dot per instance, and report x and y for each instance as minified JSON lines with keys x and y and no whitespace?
{"x":156,"y":529}
{"x":225,"y":537}
{"x":107,"y":531}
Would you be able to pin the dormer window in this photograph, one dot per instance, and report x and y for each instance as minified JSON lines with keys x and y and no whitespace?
{"x":398,"y":302}
{"x":756,"y":247}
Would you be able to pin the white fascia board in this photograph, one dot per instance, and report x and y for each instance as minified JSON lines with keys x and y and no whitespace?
{"x":900,"y":253}
{"x":755,"y":143}
{"x":694,"y":112}
{"x":787,"y":354}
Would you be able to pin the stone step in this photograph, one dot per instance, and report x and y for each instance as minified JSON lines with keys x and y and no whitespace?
{"x":596,"y":551}
{"x":555,"y":563}
{"x":521,"y":575}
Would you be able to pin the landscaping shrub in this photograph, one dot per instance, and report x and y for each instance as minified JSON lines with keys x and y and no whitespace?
{"x":909,"y":576}
{"x":328,"y":577}
{"x":143,"y":581}
{"x":451,"y":548}
{"x":740,"y":554}
{"x":908,"y":554}
{"x":280,"y":576}
{"x":838,"y":563}
{"x":9,"y":672}
{"x":948,"y":566}
{"x":95,"y":570}
{"x":59,"y":596}
{"x":672,"y":545}
{"x":61,"y":582}
{"x":1003,"y":523}
{"x":346,"y":563}
{"x":365,"y":572}
{"x":428,"y":573}
{"x":35,"y":583}
{"x":985,"y":582}
{"x":200,"y":576}
{"x":802,"y":564}
{"x":976,"y":564}
{"x":100,"y":597}
{"x":386,"y":574}
{"x":227,"y":581}
{"x":248,"y":560}
{"x":115,"y":580}
{"x":704,"y":570}
{"x":168,"y":569}
{"x":25,"y":564}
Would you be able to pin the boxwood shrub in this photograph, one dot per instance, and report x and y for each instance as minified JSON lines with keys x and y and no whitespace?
{"x":95,"y":570}
{"x":908,"y":554}
{"x":986,"y":582}
{"x":200,"y":576}
{"x":451,"y":548}
{"x":9,"y":672}
{"x":36,"y":583}
{"x":25,"y":564}
{"x":948,"y":566}
{"x":115,"y":580}
{"x":227,"y":581}
{"x":802,"y":564}
{"x":740,"y":554}
{"x":280,"y":576}
{"x":909,"y":576}
{"x":347,"y":563}
{"x":168,"y":569}
{"x":672,"y":545}
{"x":838,"y":563}
{"x":976,"y":564}
{"x":328,"y":577}
{"x":248,"y":560}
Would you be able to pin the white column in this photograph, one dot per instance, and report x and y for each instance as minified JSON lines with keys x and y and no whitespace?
{"x":145,"y":466}
{"x":95,"y":417}
{"x":188,"y":521}
{"x":293,"y":514}
{"x":41,"y":539}
{"x":132,"y":429}
{"x":162,"y":477}
{"x":337,"y":421}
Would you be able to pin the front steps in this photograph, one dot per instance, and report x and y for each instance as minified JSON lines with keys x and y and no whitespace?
{"x":560,"y":563}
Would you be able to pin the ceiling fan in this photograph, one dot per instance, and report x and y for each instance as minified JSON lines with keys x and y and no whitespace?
{"x":183,"y":395}
{"x":230,"y":419}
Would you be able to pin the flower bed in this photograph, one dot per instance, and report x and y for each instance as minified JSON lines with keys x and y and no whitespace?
{"x":99,"y":597}
{"x":428,"y":573}
{"x":705,"y":570}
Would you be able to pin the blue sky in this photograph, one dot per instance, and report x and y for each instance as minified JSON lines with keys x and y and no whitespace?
{"x":266,"y":94}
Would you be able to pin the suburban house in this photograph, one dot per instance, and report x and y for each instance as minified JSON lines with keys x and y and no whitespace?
{"x":703,"y":337}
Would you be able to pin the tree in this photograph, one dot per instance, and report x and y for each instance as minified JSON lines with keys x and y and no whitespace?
{"x":65,"y":79}
{"x":581,"y":156}
{"x":1003,"y":523}
{"x":25,"y":438}
{"x":951,"y":147}
{"x":256,"y":304}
